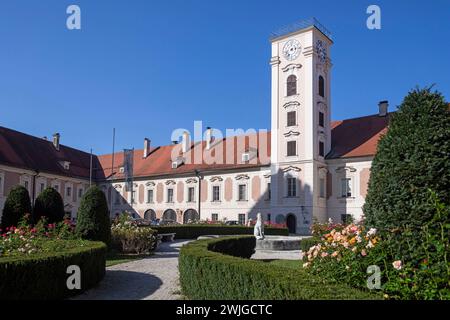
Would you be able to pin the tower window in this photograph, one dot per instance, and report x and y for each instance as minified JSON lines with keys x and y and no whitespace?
{"x":291,"y":148}
{"x":321,"y":119}
{"x":291,"y":118}
{"x":321,"y":87}
{"x":321,"y":149}
{"x":291,"y":85}
{"x":291,"y":187}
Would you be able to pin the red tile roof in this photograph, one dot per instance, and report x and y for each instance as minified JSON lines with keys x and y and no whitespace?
{"x":20,"y":150}
{"x":357,"y":137}
{"x":159,"y":162}
{"x":349,"y":138}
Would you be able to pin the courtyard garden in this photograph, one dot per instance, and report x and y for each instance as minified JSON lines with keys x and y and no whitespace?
{"x":399,"y":250}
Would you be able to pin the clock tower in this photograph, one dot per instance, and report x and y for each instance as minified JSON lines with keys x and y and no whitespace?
{"x":301,"y":133}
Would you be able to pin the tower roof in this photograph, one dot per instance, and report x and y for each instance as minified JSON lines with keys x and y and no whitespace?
{"x":300,"y":25}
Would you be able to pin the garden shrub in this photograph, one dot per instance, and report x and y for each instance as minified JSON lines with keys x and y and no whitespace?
{"x":193,"y":231}
{"x":412,"y":157}
{"x":93,"y":222}
{"x":17,"y":204}
{"x":43,"y":276}
{"x":127,"y":237}
{"x":209,"y":275}
{"x":50,"y":205}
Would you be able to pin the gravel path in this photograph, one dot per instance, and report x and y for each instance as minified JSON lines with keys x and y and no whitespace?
{"x":153,"y":278}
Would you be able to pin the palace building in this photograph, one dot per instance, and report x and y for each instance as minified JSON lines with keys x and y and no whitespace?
{"x":306,"y":167}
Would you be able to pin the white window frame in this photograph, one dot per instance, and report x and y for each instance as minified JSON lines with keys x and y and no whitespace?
{"x":350,"y":184}
{"x":66,"y":187}
{"x":147,"y":193}
{"x":188,"y":187}
{"x":238,"y":191}
{"x":82,"y":193}
{"x":27,"y":179}
{"x":212,"y":192}
{"x":212,"y":216}
{"x":167,"y":194}
{"x":288,"y":179}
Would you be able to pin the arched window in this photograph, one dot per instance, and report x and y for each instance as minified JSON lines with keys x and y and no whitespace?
{"x":291,"y":85}
{"x":321,"y":87}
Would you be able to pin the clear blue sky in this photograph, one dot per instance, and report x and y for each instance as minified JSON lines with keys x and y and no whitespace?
{"x":147,"y":67}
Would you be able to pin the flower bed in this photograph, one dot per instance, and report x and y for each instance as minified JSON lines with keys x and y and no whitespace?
{"x":219,"y":269}
{"x":193,"y":231}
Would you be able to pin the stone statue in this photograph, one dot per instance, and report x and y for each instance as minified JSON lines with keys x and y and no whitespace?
{"x":259,"y":227}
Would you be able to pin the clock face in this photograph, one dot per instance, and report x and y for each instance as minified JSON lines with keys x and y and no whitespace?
{"x":291,"y":49}
{"x":321,"y":51}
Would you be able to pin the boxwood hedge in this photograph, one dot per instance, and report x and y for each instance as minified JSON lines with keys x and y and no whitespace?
{"x":209,"y":271}
{"x":193,"y":231}
{"x":44,"y":276}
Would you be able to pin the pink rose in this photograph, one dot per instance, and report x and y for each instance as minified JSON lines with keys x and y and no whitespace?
{"x":397,"y":265}
{"x":363,"y":253}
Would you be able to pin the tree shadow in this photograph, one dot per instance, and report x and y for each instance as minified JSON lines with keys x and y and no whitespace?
{"x":123,"y":285}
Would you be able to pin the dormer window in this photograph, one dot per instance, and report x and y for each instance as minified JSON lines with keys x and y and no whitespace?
{"x":245,"y":157}
{"x":121,"y":169}
{"x":178,"y":162}
{"x":65,"y":164}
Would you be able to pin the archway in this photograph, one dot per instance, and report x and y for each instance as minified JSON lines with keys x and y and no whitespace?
{"x":150,"y":215}
{"x":291,"y":222}
{"x":170,"y":215}
{"x":190,"y":215}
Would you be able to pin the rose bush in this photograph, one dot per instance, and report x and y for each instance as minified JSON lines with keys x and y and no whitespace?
{"x":128,"y":237}
{"x":42,"y":237}
{"x":344,"y":254}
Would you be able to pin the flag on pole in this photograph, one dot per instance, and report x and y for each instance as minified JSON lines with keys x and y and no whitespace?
{"x":128,"y":169}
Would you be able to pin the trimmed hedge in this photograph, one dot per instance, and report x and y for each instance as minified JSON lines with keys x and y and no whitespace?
{"x":44,"y":276}
{"x":93,"y":221}
{"x":17,"y":204}
{"x":49,"y":204}
{"x":209,"y":275}
{"x":193,"y":231}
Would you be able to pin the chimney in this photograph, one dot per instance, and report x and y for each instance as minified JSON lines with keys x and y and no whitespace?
{"x":186,"y":142}
{"x":146,"y":147}
{"x":56,"y":141}
{"x":383,"y":108}
{"x":208,"y":138}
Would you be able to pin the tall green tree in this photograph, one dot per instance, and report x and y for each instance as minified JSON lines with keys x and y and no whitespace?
{"x":412,"y":158}
{"x":50,"y":205}
{"x":93,"y":222}
{"x":16,"y":206}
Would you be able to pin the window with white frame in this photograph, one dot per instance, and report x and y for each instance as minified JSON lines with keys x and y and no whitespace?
{"x":322,"y":187}
{"x":242,"y":192}
{"x":291,"y":148}
{"x":191,"y":194}
{"x":170,"y":195}
{"x":150,"y":196}
{"x":215,"y":217}
{"x":346,"y":187}
{"x":269,"y":192}
{"x":133,"y":196}
{"x":216,"y":193}
{"x":241,"y":218}
{"x":80,"y":193}
{"x":321,"y":149}
{"x":68,"y":192}
{"x":291,"y":187}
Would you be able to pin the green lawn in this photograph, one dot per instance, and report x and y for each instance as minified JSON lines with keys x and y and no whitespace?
{"x":114,"y":258}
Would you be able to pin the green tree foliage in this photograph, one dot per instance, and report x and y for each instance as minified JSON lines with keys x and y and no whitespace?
{"x":50,"y":205}
{"x":16,"y":206}
{"x":412,"y":158}
{"x":93,"y":221}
